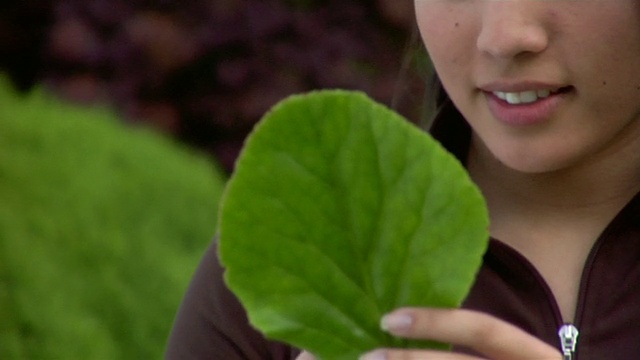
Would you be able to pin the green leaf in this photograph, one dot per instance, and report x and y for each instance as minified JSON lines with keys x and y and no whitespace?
{"x":340,"y":211}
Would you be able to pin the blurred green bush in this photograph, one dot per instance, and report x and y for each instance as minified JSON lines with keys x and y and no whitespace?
{"x":101,"y":227}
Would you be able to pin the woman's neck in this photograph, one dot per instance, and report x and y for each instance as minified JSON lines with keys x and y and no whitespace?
{"x":584,"y":193}
{"x":553,"y":219}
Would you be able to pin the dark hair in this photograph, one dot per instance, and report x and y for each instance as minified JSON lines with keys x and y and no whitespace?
{"x":412,"y":92}
{"x":447,"y":124}
{"x":432,"y":106}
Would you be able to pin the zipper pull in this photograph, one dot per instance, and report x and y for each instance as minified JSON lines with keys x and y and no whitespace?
{"x":568,"y":340}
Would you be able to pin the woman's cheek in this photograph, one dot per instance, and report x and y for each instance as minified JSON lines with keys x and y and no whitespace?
{"x":445,"y":32}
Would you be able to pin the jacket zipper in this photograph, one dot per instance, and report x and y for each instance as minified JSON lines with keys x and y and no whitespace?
{"x":568,"y":334}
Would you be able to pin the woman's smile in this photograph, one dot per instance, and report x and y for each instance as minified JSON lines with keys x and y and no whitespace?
{"x":525,"y":107}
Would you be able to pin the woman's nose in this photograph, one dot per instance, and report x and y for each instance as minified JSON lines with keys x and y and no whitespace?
{"x":510,"y":28}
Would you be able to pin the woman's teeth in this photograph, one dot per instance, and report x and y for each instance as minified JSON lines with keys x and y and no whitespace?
{"x":523,"y":97}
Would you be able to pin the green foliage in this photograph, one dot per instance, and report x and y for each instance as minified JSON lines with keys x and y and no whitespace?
{"x":339,"y":211}
{"x":101,"y":226}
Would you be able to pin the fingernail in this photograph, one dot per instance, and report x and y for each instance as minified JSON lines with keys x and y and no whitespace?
{"x":374,"y":355}
{"x":396,"y":322}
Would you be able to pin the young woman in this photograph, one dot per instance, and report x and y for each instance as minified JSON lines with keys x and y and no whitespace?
{"x":542,"y":104}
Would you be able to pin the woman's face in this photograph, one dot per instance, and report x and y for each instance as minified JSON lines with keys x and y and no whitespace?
{"x":545,"y":84}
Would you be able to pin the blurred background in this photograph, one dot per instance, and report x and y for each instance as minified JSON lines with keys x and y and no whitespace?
{"x":119,"y":124}
{"x":205,"y":71}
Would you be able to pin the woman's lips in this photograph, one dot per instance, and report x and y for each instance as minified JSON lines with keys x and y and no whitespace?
{"x":528,"y":107}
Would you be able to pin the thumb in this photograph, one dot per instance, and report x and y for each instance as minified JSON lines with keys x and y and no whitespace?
{"x":305,"y":356}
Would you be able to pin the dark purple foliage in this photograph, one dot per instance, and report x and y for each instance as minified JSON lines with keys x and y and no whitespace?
{"x":205,"y":71}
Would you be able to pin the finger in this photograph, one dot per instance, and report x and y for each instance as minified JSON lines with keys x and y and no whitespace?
{"x":484,"y":333}
{"x":393,"y":354}
{"x":305,"y":356}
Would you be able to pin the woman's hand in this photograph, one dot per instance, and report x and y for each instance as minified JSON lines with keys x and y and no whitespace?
{"x":305,"y":356}
{"x":493,"y":338}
